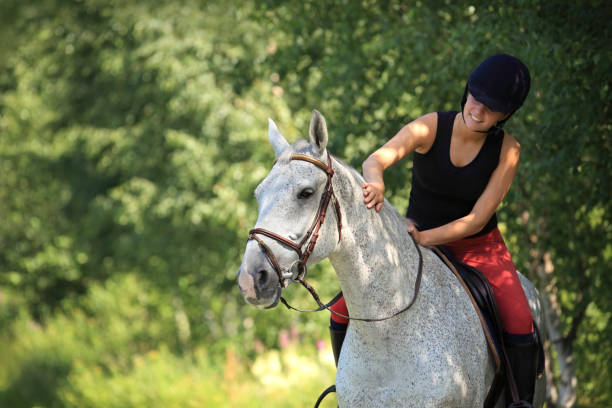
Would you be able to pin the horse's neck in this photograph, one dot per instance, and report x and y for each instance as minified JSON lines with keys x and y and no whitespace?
{"x":376,"y":261}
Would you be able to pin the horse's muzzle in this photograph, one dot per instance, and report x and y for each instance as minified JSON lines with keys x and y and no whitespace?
{"x":257,"y":280}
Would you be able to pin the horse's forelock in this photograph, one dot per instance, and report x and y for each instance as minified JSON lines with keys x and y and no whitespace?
{"x":300,"y":146}
{"x":285,"y":155}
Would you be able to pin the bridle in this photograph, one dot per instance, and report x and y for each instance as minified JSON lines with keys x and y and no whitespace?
{"x":313,"y":234}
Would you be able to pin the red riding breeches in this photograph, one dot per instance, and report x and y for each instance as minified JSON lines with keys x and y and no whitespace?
{"x":488,"y":254}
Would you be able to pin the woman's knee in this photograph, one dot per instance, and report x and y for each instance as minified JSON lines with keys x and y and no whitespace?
{"x":340,"y":309}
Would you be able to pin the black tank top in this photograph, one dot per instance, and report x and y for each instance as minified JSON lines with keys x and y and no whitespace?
{"x":442,"y":192}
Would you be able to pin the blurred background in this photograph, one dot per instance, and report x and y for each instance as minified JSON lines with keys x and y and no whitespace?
{"x":132,"y":135}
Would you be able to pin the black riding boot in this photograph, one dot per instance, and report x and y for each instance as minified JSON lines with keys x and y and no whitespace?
{"x":523,"y":358}
{"x":337,"y":334}
{"x":337,"y":331}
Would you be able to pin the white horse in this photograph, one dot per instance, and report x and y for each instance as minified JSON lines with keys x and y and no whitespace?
{"x":433,"y":355}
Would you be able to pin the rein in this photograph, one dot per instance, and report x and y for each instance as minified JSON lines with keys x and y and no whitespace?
{"x":313,"y":234}
{"x":417,"y":285}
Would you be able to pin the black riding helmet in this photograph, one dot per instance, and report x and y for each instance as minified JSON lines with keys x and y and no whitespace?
{"x":501,"y":82}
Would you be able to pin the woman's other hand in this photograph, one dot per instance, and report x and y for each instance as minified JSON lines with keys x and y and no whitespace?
{"x":373,"y":195}
{"x":413,"y":230}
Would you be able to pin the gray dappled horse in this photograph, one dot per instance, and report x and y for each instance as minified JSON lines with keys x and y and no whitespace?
{"x":433,"y":355}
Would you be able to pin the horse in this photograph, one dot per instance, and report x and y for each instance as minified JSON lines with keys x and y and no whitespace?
{"x":434,"y":354}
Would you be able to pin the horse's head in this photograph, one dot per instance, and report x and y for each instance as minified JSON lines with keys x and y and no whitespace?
{"x":293,"y":201}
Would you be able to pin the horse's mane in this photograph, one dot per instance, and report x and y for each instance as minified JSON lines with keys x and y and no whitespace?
{"x":388,"y":210}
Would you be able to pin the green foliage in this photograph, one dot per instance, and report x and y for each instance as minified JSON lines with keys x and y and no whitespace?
{"x":114,"y":138}
{"x":133,"y":135}
{"x":115,"y":350}
{"x":114,"y":323}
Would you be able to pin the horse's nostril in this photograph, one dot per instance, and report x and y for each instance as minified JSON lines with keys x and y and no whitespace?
{"x":261,"y":278}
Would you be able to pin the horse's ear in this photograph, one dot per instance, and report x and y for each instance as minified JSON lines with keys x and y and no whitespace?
{"x":318,"y":132}
{"x":277,"y":140}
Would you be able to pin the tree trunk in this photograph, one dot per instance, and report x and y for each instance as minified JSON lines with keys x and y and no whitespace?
{"x":563,"y":394}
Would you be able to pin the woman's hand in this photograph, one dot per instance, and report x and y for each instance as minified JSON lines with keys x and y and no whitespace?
{"x":373,"y":194}
{"x":412,"y":230}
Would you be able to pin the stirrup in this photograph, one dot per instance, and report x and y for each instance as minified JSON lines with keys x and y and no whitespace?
{"x":330,"y":389}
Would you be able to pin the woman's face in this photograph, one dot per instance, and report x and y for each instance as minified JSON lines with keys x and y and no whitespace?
{"x":478,"y":116}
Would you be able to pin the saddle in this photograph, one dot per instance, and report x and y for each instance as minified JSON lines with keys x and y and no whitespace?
{"x":481,"y":294}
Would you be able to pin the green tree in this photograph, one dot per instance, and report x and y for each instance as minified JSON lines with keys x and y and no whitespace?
{"x":133,"y":137}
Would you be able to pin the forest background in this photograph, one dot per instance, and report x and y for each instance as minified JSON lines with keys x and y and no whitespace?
{"x":132,"y":135}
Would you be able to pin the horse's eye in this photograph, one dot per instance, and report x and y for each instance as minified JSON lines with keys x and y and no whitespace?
{"x":306,"y":193}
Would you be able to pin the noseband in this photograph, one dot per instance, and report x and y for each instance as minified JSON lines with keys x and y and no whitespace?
{"x":313,"y":232}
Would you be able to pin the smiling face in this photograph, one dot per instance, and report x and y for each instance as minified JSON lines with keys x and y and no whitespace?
{"x":479,"y":117}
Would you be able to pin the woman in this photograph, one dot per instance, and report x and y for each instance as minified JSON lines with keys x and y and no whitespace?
{"x":464,"y":164}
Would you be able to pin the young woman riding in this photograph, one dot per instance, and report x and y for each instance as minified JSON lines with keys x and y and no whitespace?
{"x":463,"y":166}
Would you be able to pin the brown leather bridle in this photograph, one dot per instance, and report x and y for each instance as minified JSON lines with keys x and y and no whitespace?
{"x":313,"y":232}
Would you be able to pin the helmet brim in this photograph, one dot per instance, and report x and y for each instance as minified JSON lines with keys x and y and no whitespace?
{"x":491,"y":103}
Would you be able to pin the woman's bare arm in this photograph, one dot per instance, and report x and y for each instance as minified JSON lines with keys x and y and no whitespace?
{"x":418,"y":135}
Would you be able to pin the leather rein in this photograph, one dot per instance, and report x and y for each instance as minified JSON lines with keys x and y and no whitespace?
{"x":313,"y":234}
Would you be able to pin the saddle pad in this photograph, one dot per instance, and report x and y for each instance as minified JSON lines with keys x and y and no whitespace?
{"x":478,"y":288}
